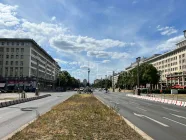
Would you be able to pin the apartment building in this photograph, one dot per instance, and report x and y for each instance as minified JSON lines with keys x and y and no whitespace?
{"x":171,"y":65}
{"x":23,"y":61}
{"x":134,"y":64}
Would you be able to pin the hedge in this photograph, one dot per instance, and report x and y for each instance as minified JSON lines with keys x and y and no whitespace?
{"x":164,"y":91}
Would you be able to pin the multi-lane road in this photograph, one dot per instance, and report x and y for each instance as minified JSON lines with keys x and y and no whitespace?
{"x":13,"y":117}
{"x":160,"y":121}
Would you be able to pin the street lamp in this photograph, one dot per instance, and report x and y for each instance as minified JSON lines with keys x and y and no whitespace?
{"x":184,"y":33}
{"x":88,"y":75}
{"x":138,"y":60}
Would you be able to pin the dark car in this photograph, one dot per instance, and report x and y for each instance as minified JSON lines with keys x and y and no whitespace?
{"x":3,"y":91}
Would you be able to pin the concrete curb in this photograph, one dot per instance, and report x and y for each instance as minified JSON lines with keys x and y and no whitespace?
{"x":135,"y":128}
{"x":9,"y":103}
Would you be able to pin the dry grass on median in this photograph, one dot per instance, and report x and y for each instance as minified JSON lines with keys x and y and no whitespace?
{"x":80,"y":117}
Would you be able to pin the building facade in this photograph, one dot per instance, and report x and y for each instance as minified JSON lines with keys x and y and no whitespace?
{"x":171,"y":65}
{"x":24,"y":64}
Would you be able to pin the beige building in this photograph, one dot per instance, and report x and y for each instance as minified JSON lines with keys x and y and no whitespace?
{"x":171,"y":65}
{"x":22,"y":61}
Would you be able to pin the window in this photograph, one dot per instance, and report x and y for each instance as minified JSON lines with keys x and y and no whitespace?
{"x":17,"y":56}
{"x":11,"y":71}
{"x":180,"y":67}
{"x":7,"y":49}
{"x":12,"y":43}
{"x":21,"y":63}
{"x":16,"y":63}
{"x":12,"y":49}
{"x":183,"y":60}
{"x":22,"y":43}
{"x":7,"y":43}
{"x":17,"y":50}
{"x":12,"y":56}
{"x":12,"y":62}
{"x":6,"y":62}
{"x":183,"y":55}
{"x":17,"y":43}
{"x":16,"y":71}
{"x":0,"y":62}
{"x":2,"y":43}
{"x":22,"y":50}
{"x":7,"y":56}
{"x":6,"y":71}
{"x":21,"y":56}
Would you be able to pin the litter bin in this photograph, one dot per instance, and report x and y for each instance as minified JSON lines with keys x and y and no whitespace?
{"x":137,"y":91}
{"x":37,"y":92}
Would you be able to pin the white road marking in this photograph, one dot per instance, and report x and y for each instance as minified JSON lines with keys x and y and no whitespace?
{"x":141,"y":108}
{"x":170,"y":109}
{"x":140,"y":115}
{"x":174,"y":121}
{"x":178,"y":116}
{"x":134,"y":103}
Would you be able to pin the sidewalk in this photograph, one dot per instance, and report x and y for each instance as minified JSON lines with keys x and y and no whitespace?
{"x":13,"y":96}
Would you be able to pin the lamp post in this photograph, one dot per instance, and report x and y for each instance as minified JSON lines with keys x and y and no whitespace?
{"x":37,"y":89}
{"x":138,"y":82}
{"x":88,"y":75}
{"x":184,"y":33}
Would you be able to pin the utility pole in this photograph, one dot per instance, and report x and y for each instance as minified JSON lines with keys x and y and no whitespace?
{"x":138,"y":83}
{"x":88,"y":75}
{"x":37,"y":89}
{"x":113,"y":88}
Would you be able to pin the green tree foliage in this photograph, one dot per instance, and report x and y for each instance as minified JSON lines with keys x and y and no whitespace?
{"x":104,"y":83}
{"x":147,"y":74}
{"x":66,"y":81}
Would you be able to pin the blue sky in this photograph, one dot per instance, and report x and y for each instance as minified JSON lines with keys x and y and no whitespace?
{"x":104,"y":35}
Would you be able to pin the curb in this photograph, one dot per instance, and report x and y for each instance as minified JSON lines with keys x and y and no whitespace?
{"x":135,"y":128}
{"x":18,"y":101}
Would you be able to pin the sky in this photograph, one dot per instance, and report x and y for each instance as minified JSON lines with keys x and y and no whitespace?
{"x":103,"y":35}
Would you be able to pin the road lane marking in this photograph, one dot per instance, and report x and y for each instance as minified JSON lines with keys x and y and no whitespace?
{"x":178,"y":116}
{"x":170,"y":109}
{"x":141,"y":108}
{"x":134,"y":103}
{"x":143,"y":116}
{"x":174,"y":121}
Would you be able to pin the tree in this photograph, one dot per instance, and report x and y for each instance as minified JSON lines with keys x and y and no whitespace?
{"x":66,"y":81}
{"x":147,"y":74}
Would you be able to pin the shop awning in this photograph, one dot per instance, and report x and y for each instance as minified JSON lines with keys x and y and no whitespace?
{"x":2,"y":84}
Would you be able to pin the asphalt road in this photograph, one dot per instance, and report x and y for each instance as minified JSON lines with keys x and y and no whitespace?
{"x":13,"y":117}
{"x":160,"y":121}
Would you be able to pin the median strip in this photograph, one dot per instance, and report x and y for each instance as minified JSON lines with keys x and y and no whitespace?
{"x":80,"y":117}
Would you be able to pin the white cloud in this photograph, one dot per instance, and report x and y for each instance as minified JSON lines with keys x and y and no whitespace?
{"x":105,"y":61}
{"x":60,"y":61}
{"x":53,"y":18}
{"x":71,"y":43}
{"x":166,"y":30}
{"x":170,"y":43}
{"x":104,"y":54}
{"x":8,"y":15}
